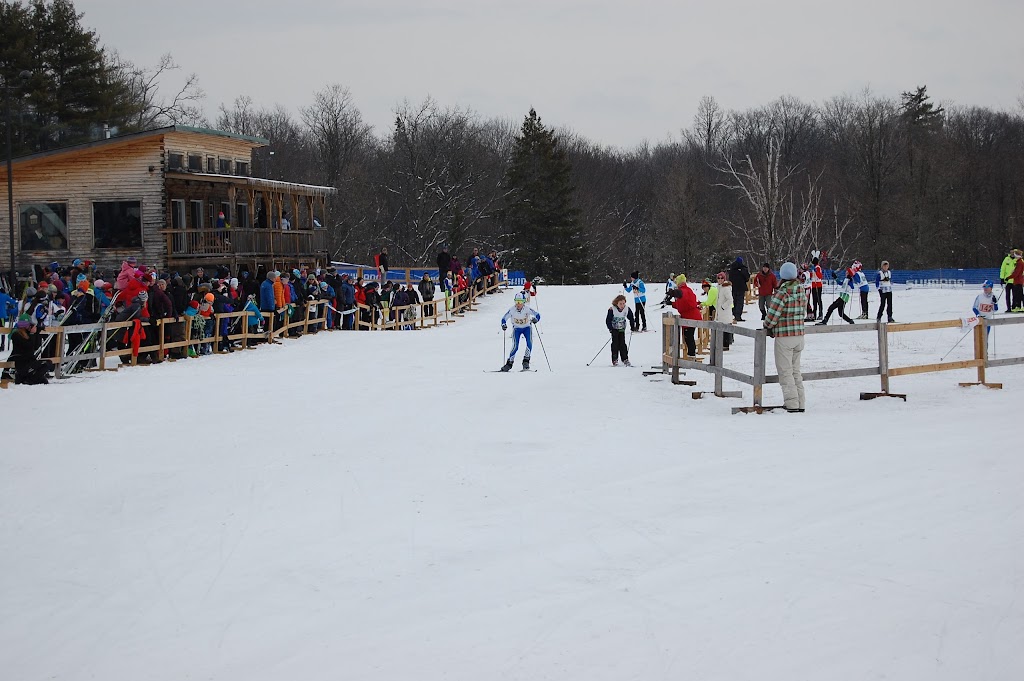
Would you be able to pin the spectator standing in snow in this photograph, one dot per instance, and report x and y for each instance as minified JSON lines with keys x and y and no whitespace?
{"x":1016,"y":283}
{"x":766,"y":283}
{"x":685,"y":303}
{"x":883,"y":282}
{"x":817,"y":284}
{"x":785,"y":323}
{"x":639,"y":291}
{"x":723,"y":304}
{"x":618,"y":316}
{"x":381,"y":261}
{"x":426,"y":287}
{"x":1005,"y":272}
{"x":739,"y":275}
{"x":444,"y":262}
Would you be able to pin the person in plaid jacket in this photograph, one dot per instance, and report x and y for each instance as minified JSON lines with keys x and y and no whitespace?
{"x":785,"y":323}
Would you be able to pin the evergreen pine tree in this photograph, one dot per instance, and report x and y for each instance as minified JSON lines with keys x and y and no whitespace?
{"x":72,"y":89}
{"x":540,"y":219}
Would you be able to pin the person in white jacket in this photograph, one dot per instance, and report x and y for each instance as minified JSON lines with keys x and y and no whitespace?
{"x":723,"y":306}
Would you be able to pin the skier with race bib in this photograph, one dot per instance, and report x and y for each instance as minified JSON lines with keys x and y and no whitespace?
{"x":522,"y":317}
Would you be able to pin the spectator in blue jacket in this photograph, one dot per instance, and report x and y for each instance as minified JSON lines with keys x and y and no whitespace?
{"x":267,"y":302}
{"x":8,"y":315}
{"x":347,"y":298}
{"x":865,"y":287}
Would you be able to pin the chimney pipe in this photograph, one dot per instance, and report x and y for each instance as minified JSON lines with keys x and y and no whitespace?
{"x":106,"y":131}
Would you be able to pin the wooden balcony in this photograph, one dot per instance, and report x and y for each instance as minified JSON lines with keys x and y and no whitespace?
{"x":261,"y":246}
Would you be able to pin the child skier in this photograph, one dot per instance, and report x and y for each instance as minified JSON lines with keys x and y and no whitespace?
{"x":616,"y":319}
{"x":861,"y":281}
{"x":883,"y":283}
{"x":522,"y":317}
{"x":986,"y":305}
{"x":639,"y":289}
{"x":844,"y":297}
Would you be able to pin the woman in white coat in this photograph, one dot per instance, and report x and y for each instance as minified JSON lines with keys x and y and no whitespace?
{"x":723,"y":306}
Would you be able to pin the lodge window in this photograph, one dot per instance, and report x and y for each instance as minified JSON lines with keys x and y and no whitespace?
{"x":242,"y":216}
{"x":211,"y":164}
{"x":241,"y":168}
{"x":196,"y":208}
{"x":225,"y":166}
{"x":175,"y":161}
{"x":177,"y":214}
{"x":195,"y":163}
{"x":117,"y":224}
{"x":44,"y":226}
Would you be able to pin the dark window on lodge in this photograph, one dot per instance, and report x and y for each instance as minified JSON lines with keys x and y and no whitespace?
{"x":44,"y":226}
{"x":197,"y":214}
{"x":195,"y":163}
{"x":117,"y":224}
{"x":175,"y":161}
{"x":241,"y":168}
{"x":177,"y":214}
{"x":225,"y":166}
{"x":242,"y":216}
{"x":211,"y":164}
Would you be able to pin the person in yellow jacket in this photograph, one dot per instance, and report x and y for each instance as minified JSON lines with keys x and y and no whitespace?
{"x":1006,"y":274}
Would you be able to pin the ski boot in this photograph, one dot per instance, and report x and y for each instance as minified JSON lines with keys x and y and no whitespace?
{"x":508,"y":366}
{"x":526,"y":364}
{"x":626,"y":363}
{"x":615,"y":362}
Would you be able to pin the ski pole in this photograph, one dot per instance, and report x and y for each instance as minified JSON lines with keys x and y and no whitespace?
{"x":541,"y":338}
{"x":601,"y":350}
{"x":957,"y":343}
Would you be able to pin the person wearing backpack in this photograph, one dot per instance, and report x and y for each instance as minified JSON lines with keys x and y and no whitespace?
{"x":426,"y":288}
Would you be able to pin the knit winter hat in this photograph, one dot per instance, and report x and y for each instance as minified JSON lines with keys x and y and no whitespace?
{"x":788,"y":271}
{"x":131,"y":260}
{"x":143,"y":296}
{"x":635,"y":274}
{"x":323,"y":285}
{"x":208,"y":297}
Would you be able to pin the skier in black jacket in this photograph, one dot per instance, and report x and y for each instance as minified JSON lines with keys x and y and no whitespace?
{"x":739,"y":276}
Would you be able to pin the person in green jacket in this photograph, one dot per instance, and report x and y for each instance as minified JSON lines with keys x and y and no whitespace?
{"x":1006,"y":274}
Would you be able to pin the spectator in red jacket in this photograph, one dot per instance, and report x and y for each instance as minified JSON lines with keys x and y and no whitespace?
{"x":766,"y":282}
{"x":686,"y":305}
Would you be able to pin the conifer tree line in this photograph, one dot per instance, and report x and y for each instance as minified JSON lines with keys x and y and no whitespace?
{"x":867,"y":176}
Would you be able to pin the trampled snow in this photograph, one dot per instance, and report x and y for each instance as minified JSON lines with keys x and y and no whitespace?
{"x":375,"y":506}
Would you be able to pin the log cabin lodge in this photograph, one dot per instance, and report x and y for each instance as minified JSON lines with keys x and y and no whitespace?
{"x":157,"y":195}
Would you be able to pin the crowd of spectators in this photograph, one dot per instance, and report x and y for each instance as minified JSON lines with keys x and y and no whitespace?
{"x":83,"y":293}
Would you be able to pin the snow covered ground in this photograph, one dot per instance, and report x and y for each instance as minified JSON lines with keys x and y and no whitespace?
{"x":375,"y":506}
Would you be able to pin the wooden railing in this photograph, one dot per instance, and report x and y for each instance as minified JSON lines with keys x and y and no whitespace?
{"x":191,"y":243}
{"x":674,"y":356}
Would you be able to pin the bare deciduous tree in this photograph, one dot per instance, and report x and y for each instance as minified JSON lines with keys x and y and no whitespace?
{"x":150,"y":107}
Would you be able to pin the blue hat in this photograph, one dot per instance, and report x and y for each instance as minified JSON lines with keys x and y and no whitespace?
{"x":987,"y":283}
{"x":76,"y":262}
{"x":787,"y":271}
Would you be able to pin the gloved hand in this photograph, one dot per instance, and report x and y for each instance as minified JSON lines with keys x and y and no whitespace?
{"x":504,"y":327}
{"x":533,"y":321}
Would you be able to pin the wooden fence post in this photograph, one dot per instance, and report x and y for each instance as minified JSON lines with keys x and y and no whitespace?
{"x":677,"y":329}
{"x":103,"y":347}
{"x":760,"y":359}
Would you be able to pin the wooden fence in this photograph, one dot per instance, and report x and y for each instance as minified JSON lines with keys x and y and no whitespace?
{"x":175,"y":334}
{"x":674,"y":356}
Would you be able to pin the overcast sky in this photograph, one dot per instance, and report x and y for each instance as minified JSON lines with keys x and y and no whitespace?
{"x":617,"y":72}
